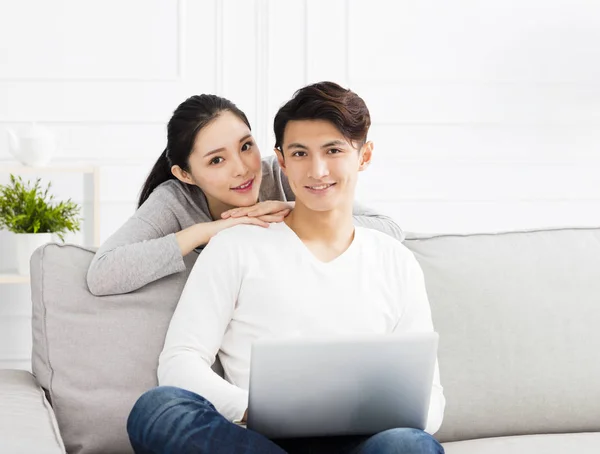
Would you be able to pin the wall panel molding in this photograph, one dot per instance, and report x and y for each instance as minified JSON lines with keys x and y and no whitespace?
{"x":179,"y":51}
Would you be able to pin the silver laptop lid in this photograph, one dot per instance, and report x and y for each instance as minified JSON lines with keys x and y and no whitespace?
{"x":341,"y":386}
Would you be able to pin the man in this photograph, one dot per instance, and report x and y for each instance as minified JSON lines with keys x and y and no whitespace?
{"x":314,"y":274}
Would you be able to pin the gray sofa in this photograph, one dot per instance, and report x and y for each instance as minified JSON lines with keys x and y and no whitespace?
{"x":518,"y":316}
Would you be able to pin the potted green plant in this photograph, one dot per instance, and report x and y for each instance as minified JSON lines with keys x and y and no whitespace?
{"x":31,"y":213}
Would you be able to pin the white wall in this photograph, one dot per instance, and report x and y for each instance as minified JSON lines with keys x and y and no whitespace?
{"x":485,"y":114}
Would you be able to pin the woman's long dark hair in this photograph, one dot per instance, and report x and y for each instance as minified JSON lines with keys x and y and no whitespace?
{"x":188,"y":119}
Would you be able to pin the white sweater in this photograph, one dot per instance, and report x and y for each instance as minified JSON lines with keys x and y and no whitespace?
{"x":251,"y":282}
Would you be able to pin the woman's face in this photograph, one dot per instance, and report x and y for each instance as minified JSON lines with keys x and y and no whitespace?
{"x":226,"y":163}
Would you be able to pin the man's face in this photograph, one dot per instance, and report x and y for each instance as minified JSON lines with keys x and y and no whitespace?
{"x":321,"y":164}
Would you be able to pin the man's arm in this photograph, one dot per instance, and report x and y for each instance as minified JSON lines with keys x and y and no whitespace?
{"x":417,"y":318}
{"x":198,"y":325}
{"x":371,"y":219}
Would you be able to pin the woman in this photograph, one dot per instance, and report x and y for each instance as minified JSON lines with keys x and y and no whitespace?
{"x":210,"y":177}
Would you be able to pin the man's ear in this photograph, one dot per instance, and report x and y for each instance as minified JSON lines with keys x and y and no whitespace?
{"x":281,"y":160}
{"x":181,"y":175}
{"x":365,"y":156}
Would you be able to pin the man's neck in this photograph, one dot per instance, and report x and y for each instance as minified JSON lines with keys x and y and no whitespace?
{"x":333,"y":228}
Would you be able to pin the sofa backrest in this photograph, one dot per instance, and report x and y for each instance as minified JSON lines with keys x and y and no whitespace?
{"x":95,"y":355}
{"x":519,"y":321}
{"x":518,"y":317}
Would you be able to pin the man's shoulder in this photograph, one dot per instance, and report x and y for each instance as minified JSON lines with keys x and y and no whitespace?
{"x":247,"y":235}
{"x":382,"y":244}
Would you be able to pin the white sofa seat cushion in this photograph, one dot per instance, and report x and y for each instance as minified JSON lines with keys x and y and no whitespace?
{"x":581,"y":443}
{"x":27,"y":422}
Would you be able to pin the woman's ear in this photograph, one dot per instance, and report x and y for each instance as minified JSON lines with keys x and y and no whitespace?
{"x":181,"y":175}
{"x":281,"y":160}
{"x":365,"y":156}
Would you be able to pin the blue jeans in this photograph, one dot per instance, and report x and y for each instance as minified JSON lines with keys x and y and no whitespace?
{"x":167,"y":420}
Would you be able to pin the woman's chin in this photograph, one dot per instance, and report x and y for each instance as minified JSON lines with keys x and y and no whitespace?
{"x":243,"y":200}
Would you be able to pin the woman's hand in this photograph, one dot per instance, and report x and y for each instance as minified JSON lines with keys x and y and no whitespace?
{"x":200,"y":234}
{"x":270,"y":211}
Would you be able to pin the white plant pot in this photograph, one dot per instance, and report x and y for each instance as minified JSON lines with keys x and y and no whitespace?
{"x":27,"y":243}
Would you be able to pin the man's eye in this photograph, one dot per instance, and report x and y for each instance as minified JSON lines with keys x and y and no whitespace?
{"x":247,"y":146}
{"x":217,"y":160}
{"x":334,"y":150}
{"x":299,"y":153}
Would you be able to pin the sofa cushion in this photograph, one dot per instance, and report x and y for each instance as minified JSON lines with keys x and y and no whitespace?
{"x":95,"y":355}
{"x":518,"y":317}
{"x":581,"y":443}
{"x":27,"y":422}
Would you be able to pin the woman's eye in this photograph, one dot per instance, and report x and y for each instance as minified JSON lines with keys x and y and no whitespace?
{"x":217,"y":160}
{"x":247,"y":146}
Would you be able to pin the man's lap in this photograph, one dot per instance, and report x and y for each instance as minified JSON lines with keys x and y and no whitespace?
{"x":164,"y":405}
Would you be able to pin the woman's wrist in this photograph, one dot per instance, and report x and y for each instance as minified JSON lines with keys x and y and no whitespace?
{"x":195,"y":236}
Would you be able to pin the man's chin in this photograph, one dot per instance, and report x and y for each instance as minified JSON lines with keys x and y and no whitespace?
{"x":320,"y":207}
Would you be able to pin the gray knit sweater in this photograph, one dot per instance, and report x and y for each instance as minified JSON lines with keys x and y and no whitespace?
{"x":144,"y":249}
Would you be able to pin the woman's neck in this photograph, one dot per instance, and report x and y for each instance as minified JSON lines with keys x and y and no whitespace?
{"x":216,"y":208}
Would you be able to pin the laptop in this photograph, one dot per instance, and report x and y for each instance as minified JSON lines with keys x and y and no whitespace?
{"x":340,"y":386}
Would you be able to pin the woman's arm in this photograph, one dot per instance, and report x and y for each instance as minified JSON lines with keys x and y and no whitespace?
{"x":143,"y":250}
{"x":151,"y":245}
{"x":371,"y":219}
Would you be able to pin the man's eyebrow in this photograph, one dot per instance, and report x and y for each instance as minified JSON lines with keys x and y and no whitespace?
{"x":297,"y":145}
{"x":334,"y":143}
{"x":222,"y":149}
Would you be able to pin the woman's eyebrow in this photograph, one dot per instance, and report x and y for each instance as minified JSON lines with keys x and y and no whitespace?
{"x":222,"y":149}
{"x":218,"y":150}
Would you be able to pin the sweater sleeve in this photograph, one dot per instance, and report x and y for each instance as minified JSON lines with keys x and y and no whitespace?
{"x":143,"y":250}
{"x":417,"y":318}
{"x":371,"y":219}
{"x":197,"y":328}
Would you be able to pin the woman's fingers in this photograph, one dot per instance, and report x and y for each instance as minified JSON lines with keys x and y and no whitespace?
{"x":278,"y":217}
{"x":229,"y":213}
{"x":270,"y":207}
{"x":238,"y":212}
{"x":260,"y":209}
{"x":255,"y":221}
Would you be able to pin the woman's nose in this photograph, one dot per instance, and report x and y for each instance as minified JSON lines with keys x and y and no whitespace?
{"x":240,"y":168}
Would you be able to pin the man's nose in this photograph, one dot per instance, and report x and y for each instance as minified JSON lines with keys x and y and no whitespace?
{"x":318,"y":168}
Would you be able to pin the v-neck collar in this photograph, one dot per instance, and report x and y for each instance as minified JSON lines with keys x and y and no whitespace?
{"x":312,"y":257}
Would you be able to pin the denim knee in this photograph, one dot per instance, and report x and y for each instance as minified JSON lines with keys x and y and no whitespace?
{"x":154,"y":402}
{"x":402,"y":441}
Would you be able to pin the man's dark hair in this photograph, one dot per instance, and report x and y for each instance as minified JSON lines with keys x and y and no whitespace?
{"x":326,"y":101}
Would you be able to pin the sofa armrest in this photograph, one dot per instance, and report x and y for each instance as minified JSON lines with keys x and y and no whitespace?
{"x":27,"y":421}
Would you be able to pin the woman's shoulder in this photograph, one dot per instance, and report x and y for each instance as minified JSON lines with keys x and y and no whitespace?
{"x":172,"y":189}
{"x":274,"y":184}
{"x":185,"y":202}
